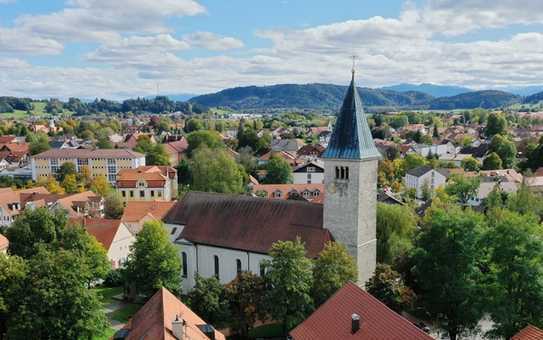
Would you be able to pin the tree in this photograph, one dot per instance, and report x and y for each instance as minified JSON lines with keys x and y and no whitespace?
{"x":70,"y":184}
{"x":53,"y":301}
{"x":504,"y":148}
{"x":67,"y":168}
{"x":196,"y":139}
{"x":525,"y":202}
{"x":471,"y":164}
{"x":278,"y":171}
{"x":387,"y":285}
{"x":216,"y":171}
{"x":396,"y":227}
{"x":492,"y":162}
{"x":54,"y":187}
{"x":157,"y":155}
{"x":113,"y":205}
{"x":154,"y":261}
{"x":13,"y":271}
{"x":516,"y":258}
{"x":495,"y":124}
{"x":208,"y":300}
{"x":39,"y":142}
{"x":245,"y":296}
{"x":413,"y":160}
{"x":290,"y":279}
{"x":101,"y":186}
{"x":463,"y":188}
{"x":247,"y":160}
{"x":332,"y":270}
{"x":193,"y":124}
{"x":447,"y":268}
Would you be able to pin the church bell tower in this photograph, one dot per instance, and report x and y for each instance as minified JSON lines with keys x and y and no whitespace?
{"x":350,"y":178}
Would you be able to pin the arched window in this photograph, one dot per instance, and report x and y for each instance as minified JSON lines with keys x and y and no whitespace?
{"x":185,"y":263}
{"x":342,"y":173}
{"x":347,"y":172}
{"x":216,"y":261}
{"x":238,"y":266}
{"x":337,"y":172}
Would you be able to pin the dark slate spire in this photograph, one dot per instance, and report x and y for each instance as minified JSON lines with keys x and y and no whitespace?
{"x":352,"y":138}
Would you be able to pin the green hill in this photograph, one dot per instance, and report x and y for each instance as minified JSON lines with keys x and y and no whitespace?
{"x":477,"y":99}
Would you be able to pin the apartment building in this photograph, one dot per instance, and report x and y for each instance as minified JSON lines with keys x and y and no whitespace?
{"x":102,"y":162}
{"x":148,"y":183}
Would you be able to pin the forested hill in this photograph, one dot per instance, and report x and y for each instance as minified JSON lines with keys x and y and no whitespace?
{"x":534,"y":98}
{"x":329,"y":97}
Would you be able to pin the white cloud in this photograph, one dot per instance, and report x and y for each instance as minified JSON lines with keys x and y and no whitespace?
{"x":16,"y":42}
{"x":212,"y":41}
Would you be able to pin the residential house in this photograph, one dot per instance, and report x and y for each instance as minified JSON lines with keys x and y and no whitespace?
{"x":114,"y":236}
{"x":287,"y":145}
{"x":311,"y":172}
{"x":147,"y":183}
{"x":165,"y":317}
{"x":176,"y":150}
{"x":310,"y":152}
{"x":12,"y":203}
{"x":424,"y":178}
{"x":352,"y":313}
{"x":310,"y":192}
{"x":441,"y":150}
{"x":288,"y":157}
{"x":136,"y":213}
{"x":4,"y":244}
{"x":85,"y":203}
{"x":506,"y":180}
{"x":100,"y":162}
{"x":15,"y":155}
{"x":131,"y":140}
{"x":529,"y":332}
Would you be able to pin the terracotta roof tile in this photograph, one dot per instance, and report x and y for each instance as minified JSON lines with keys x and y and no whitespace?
{"x":332,"y":320}
{"x":104,"y":230}
{"x":86,"y":153}
{"x":248,"y":223}
{"x":179,"y":146}
{"x":154,"y":320}
{"x":155,"y":176}
{"x":4,"y":243}
{"x":529,"y":333}
{"x":136,"y":210}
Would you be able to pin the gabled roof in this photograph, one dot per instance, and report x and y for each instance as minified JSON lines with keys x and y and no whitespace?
{"x":419,"y":171}
{"x":248,"y":223}
{"x":85,"y":153}
{"x":352,"y":137}
{"x":4,"y":243}
{"x":179,"y":146}
{"x":104,"y":230}
{"x":136,"y":210}
{"x":154,"y":320}
{"x":529,"y":332}
{"x":332,"y":320}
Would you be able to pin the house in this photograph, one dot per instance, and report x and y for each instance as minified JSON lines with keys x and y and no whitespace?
{"x":176,"y":150}
{"x":221,"y":235}
{"x":313,"y":192}
{"x":165,"y":317}
{"x":424,"y":178}
{"x":529,"y":332}
{"x":147,"y":183}
{"x":310,"y":152}
{"x":311,"y":172}
{"x":288,"y":157}
{"x":291,"y":145}
{"x":352,"y":313}
{"x":4,"y":244}
{"x":100,"y":162}
{"x":441,"y":150}
{"x":131,"y":140}
{"x":12,"y":202}
{"x":113,"y":235}
{"x":16,"y":154}
{"x":535,"y":183}
{"x":136,"y":213}
{"x":506,"y":180}
{"x":85,"y":203}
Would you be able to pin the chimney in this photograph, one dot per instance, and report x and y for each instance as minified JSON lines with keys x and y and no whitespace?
{"x":355,"y":323}
{"x":178,"y":328}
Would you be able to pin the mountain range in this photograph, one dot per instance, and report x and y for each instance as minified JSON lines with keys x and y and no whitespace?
{"x":329,"y":97}
{"x":431,"y":89}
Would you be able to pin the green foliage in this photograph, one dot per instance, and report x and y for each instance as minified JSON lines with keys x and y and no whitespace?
{"x":278,"y":171}
{"x":154,"y":261}
{"x":210,"y":139}
{"x":492,"y":162}
{"x":101,"y":186}
{"x":388,"y":286}
{"x":504,"y":148}
{"x":516,"y":258}
{"x":463,"y":188}
{"x":184,"y":172}
{"x":208,"y":300}
{"x":396,"y":225}
{"x":38,"y":142}
{"x":67,"y":168}
{"x":413,"y":160}
{"x":526,"y":202}
{"x":155,"y":154}
{"x":113,"y":205}
{"x":447,"y":268}
{"x":193,"y":124}
{"x":332,"y":270}
{"x":216,"y":171}
{"x":496,"y":124}
{"x":245,"y":296}
{"x":471,"y":164}
{"x":290,"y":278}
{"x":70,"y":184}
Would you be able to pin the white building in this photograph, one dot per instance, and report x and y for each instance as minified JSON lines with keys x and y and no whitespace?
{"x":114,"y":236}
{"x":312,"y":172}
{"x":424,"y":178}
{"x":221,"y":235}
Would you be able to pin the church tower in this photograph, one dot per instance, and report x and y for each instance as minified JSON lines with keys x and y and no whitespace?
{"x":350,"y":178}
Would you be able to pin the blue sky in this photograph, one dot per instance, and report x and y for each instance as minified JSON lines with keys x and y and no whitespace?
{"x":124,"y":48}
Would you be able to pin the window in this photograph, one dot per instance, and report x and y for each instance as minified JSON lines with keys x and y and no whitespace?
{"x":337,"y":172}
{"x":346,"y":172}
{"x":277,"y":194}
{"x":152,"y":193}
{"x":185,"y":263}
{"x":142,"y":193}
{"x":342,"y":173}
{"x":216,"y":266}
{"x":123,"y":193}
{"x":238,"y":266}
{"x":159,"y":193}
{"x":131,"y":193}
{"x":174,"y":229}
{"x":54,"y":166}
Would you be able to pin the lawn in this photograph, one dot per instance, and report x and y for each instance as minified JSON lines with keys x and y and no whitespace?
{"x":106,"y":294}
{"x":125,"y":313}
{"x":38,"y":110}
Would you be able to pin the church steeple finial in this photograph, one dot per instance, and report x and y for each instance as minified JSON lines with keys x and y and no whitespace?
{"x":353,"y":70}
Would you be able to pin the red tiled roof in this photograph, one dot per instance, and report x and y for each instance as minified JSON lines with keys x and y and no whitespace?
{"x":136,"y":210}
{"x":154,"y":320}
{"x":332,"y":320}
{"x":4,"y":243}
{"x":102,"y":229}
{"x":16,"y":147}
{"x":154,"y":175}
{"x":86,"y":153}
{"x":249,"y":223}
{"x":179,"y":146}
{"x":529,"y":333}
{"x":7,"y":139}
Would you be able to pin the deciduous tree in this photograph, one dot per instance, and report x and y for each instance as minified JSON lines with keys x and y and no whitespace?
{"x":396,"y":227}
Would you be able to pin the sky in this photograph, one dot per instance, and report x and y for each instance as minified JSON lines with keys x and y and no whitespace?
{"x":118,"y":49}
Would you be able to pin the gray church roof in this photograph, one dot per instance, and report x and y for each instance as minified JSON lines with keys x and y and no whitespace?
{"x":351,"y":138}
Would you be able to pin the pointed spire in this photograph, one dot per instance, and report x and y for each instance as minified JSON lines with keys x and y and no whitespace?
{"x":352,"y":137}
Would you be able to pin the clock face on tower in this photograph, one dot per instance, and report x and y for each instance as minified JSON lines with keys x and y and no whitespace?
{"x":331,"y":187}
{"x":337,"y":186}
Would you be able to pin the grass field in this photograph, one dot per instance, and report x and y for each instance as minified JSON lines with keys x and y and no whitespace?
{"x":38,"y":110}
{"x":125,"y":313}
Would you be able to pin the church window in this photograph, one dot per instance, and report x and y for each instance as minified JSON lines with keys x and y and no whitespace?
{"x":342,"y":173}
{"x":337,"y":172}
{"x":347,"y":172}
{"x":185,"y":264}
{"x":238,"y":266}
{"x":216,"y":266}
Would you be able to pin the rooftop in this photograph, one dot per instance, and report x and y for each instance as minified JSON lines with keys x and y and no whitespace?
{"x":529,"y":332}
{"x":86,"y":153}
